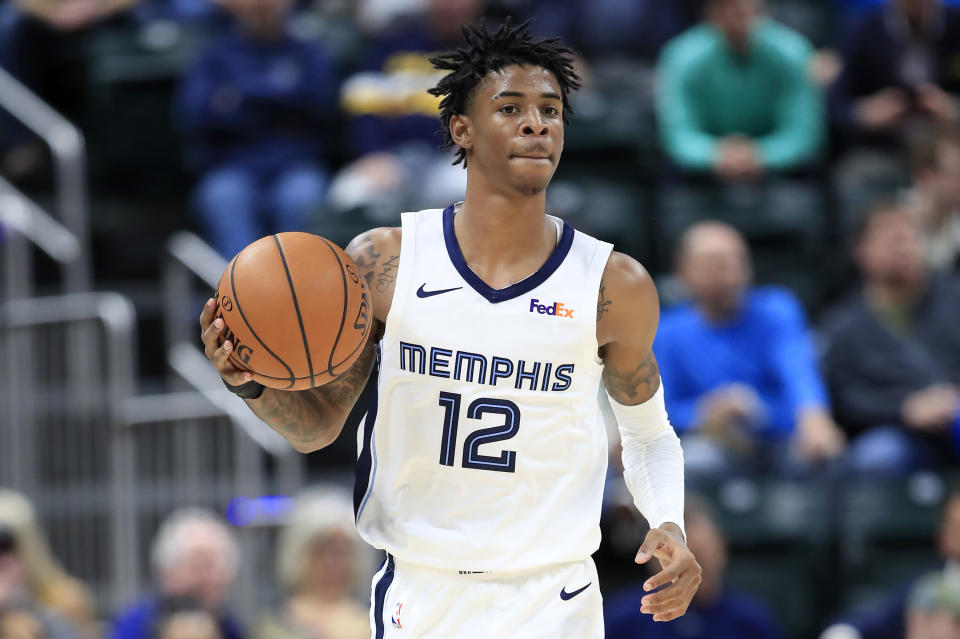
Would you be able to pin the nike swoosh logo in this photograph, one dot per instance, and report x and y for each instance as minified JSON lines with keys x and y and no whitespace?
{"x":423,"y":293}
{"x":570,"y":595}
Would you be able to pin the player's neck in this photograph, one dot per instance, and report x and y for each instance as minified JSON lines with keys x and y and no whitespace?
{"x":504,"y":239}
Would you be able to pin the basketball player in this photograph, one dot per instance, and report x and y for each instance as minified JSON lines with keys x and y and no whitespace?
{"x":483,"y":452}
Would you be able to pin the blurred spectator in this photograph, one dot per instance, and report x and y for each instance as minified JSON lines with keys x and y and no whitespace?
{"x":30,"y":575}
{"x":892,"y":350}
{"x":186,"y":619}
{"x":322,"y":567}
{"x":899,"y":65}
{"x":254,"y":107}
{"x":394,"y":128}
{"x":609,"y":28}
{"x":935,"y":197}
{"x":716,"y":612}
{"x":738,"y":367}
{"x":194,"y":556}
{"x":21,"y":621}
{"x":925,"y":598}
{"x":735,"y":96}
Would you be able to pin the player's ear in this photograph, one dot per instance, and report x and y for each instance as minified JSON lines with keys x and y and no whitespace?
{"x":460,"y":131}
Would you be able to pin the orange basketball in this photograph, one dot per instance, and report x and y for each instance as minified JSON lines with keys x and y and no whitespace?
{"x":296,"y":310}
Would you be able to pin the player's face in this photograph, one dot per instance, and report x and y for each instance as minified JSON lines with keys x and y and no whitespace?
{"x":515,"y":124}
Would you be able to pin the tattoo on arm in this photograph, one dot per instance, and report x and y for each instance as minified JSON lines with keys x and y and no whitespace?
{"x":603,"y":303}
{"x":388,"y":273}
{"x":316,"y":415}
{"x":633,"y":386}
{"x":365,"y":255}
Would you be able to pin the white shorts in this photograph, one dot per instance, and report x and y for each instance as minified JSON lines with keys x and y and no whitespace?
{"x":411,"y":601}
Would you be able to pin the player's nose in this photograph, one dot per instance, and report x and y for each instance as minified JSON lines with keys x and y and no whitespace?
{"x":534,"y":124}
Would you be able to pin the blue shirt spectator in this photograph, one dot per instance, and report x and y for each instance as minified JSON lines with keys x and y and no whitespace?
{"x":740,"y":381}
{"x":262,"y":104}
{"x":609,"y":28}
{"x":195,"y":557}
{"x":139,"y":621}
{"x":765,"y":345}
{"x":255,"y":106}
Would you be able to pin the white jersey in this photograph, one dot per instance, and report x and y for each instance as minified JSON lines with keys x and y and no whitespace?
{"x":484,"y":448}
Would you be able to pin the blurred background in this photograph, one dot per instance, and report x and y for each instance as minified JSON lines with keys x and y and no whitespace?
{"x":789,"y":171}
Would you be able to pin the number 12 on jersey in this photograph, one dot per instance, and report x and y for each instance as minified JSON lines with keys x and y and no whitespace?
{"x":507,"y":461}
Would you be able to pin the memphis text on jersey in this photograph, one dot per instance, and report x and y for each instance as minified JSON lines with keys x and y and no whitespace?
{"x":480,"y":369}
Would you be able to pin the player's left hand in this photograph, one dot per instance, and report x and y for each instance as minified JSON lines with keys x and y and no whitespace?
{"x":680,"y":571}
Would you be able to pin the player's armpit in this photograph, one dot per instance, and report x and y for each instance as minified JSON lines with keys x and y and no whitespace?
{"x":312,"y":419}
{"x":628,"y":310}
{"x":377,"y":255}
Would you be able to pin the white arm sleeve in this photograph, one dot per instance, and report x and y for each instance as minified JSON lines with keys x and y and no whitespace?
{"x":652,"y":459}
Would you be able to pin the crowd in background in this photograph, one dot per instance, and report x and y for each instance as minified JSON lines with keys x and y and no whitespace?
{"x":799,"y":133}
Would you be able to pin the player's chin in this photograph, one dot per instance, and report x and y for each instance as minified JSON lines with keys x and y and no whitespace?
{"x":530,"y":182}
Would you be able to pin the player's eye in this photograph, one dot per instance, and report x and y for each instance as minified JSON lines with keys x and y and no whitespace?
{"x":509,"y":108}
{"x":551,"y":110}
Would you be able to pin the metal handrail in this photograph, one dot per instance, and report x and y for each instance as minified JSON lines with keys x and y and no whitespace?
{"x":188,"y":258}
{"x":118,"y":317}
{"x":69,"y":154}
{"x":19,"y":212}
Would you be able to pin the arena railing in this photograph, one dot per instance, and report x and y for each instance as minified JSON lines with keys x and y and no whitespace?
{"x":70,"y":174}
{"x":64,"y":446}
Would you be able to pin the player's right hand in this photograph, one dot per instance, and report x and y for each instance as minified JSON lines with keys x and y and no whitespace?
{"x":211,"y":327}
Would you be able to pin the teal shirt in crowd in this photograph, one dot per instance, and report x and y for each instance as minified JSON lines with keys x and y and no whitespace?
{"x":707,"y":92}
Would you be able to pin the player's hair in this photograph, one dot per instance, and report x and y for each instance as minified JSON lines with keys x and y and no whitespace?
{"x":487,"y":51}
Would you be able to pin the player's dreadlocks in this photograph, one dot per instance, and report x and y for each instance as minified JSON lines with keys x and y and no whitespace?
{"x":486,"y":52}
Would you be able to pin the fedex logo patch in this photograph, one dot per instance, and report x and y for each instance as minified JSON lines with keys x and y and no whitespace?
{"x":557,"y":309}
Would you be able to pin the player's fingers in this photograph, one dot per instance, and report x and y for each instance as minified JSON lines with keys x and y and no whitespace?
{"x":671,"y":615}
{"x":211,"y":336}
{"x":676,"y":595}
{"x":668,"y":575}
{"x":206,"y":315}
{"x":654,"y":539}
{"x":229,"y":372}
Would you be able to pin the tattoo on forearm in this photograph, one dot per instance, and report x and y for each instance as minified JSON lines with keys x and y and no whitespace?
{"x":388,"y":274}
{"x":633,"y":387}
{"x":303,"y":417}
{"x":603,"y":303}
{"x":292,"y":414}
{"x":343,"y":392}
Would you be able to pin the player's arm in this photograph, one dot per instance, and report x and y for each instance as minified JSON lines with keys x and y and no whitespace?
{"x":312,"y":419}
{"x":628,"y":310}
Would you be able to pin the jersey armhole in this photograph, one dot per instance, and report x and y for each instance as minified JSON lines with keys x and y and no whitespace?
{"x":595,"y":275}
{"x":401,"y":289}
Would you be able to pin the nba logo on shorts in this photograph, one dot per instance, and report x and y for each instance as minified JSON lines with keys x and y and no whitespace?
{"x":395,"y":617}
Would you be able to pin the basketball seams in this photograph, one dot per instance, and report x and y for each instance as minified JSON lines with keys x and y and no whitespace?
{"x":296,"y":306}
{"x":343,"y":314}
{"x":243,"y":318}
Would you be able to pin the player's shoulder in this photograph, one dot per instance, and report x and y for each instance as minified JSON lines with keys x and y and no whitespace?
{"x":627,"y":299}
{"x":623,"y":273}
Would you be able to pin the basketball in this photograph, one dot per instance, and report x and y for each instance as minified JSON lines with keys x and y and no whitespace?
{"x":296,"y":310}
